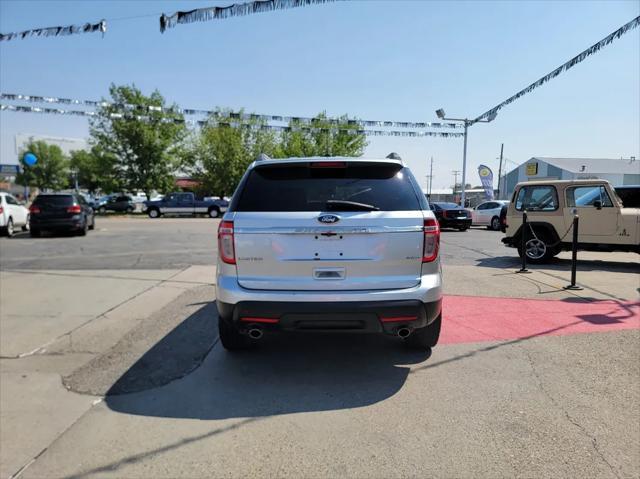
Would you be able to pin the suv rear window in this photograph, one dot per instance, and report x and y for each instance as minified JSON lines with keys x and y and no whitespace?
{"x":300,"y":187}
{"x":54,"y":200}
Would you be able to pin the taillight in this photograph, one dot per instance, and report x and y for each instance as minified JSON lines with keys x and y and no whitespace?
{"x":74,"y":209}
{"x":431,"y":240}
{"x":1,"y":210}
{"x":225,"y":242}
{"x":34,"y":210}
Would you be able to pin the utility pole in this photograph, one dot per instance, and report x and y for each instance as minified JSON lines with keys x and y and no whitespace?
{"x":430,"y":176}
{"x":455,"y":181}
{"x":500,"y":168}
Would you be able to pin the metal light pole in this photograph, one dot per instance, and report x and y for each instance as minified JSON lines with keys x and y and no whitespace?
{"x":500,"y":169}
{"x":467,"y":123}
{"x":463,"y":195}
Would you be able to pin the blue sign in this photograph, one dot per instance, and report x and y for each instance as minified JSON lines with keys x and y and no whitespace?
{"x":30,"y":159}
{"x":486,"y":177}
{"x":9,"y":169}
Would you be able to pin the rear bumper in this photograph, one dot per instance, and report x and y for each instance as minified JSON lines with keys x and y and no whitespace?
{"x":509,"y":241}
{"x":454,"y":223}
{"x":73,"y":223}
{"x":366,"y":316}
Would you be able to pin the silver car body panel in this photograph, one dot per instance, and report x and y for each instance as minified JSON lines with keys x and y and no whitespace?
{"x":293,"y":256}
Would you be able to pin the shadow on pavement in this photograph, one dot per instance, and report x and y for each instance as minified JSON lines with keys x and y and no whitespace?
{"x":285,"y":374}
{"x":561,"y":264}
{"x":620,"y":310}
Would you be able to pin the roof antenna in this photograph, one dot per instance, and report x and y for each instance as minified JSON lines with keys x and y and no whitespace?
{"x":394,"y":156}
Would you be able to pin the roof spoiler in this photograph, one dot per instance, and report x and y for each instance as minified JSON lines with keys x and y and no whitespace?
{"x":394,"y":156}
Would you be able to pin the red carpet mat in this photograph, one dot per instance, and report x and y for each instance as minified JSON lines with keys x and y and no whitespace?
{"x":469,"y":319}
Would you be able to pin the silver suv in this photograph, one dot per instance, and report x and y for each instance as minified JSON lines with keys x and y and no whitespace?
{"x":326,"y":244}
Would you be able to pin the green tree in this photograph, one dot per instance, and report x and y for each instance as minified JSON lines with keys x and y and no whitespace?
{"x":324,"y":137}
{"x":95,"y":170}
{"x":145,"y":140}
{"x":51,"y":172}
{"x":220,"y":153}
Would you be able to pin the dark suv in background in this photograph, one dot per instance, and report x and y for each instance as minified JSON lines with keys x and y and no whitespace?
{"x":61,"y":212}
{"x":119,"y":204}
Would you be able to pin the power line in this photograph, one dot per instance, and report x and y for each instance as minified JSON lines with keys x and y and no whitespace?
{"x":562,"y":68}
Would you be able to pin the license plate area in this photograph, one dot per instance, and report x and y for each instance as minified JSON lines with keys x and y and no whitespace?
{"x":329,"y":273}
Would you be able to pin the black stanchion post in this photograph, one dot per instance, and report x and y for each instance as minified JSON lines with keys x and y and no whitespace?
{"x":523,"y":243}
{"x":574,"y":254}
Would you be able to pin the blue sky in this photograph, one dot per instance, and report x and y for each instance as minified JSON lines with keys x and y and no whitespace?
{"x":378,"y":60}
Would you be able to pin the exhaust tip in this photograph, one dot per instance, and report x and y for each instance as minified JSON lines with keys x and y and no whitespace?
{"x":404,"y":332}
{"x":255,"y":333}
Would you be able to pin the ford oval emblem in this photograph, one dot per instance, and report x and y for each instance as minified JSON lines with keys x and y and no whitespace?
{"x":328,"y":219}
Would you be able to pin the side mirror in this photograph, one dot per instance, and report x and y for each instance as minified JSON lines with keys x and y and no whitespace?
{"x":598,"y":204}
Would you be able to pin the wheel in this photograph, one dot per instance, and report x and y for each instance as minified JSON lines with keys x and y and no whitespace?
{"x":495,"y":223}
{"x":130,"y":209}
{"x":153,"y":213}
{"x":9,"y":228}
{"x":427,"y":337}
{"x":85,"y":228}
{"x":214,"y":212}
{"x":34,"y":233}
{"x":230,"y":337}
{"x":102,"y":210}
{"x":26,"y":226}
{"x":536,"y":248}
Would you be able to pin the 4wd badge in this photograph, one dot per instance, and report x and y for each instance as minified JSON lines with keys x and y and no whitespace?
{"x":328,"y":219}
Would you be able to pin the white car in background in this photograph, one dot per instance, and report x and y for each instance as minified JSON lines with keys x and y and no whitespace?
{"x":488,"y":214}
{"x":12,"y":214}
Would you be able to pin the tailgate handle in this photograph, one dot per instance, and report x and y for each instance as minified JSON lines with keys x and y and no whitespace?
{"x":329,"y":273}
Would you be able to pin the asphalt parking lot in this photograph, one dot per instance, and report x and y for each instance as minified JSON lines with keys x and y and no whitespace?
{"x":111,"y":368}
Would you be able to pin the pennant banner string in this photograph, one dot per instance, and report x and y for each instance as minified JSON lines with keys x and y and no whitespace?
{"x":236,"y":115}
{"x":101,"y":26}
{"x":235,"y":10}
{"x":234,"y":123}
{"x":563,"y":68}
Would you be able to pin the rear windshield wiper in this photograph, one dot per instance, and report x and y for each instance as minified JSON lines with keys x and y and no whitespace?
{"x":351,"y":205}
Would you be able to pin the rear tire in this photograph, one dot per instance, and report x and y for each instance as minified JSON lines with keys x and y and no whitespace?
{"x":153,"y":213}
{"x":427,"y":337}
{"x":8,"y":230}
{"x":214,"y":212}
{"x":102,"y":210}
{"x":230,"y":337}
{"x":495,"y":223}
{"x":85,"y":228}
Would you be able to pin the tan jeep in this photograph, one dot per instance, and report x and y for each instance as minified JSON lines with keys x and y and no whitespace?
{"x":604,"y":225}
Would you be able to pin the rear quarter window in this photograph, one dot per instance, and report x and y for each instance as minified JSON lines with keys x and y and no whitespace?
{"x":299,"y":187}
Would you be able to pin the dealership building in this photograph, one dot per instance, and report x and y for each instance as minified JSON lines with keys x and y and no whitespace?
{"x":615,"y":171}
